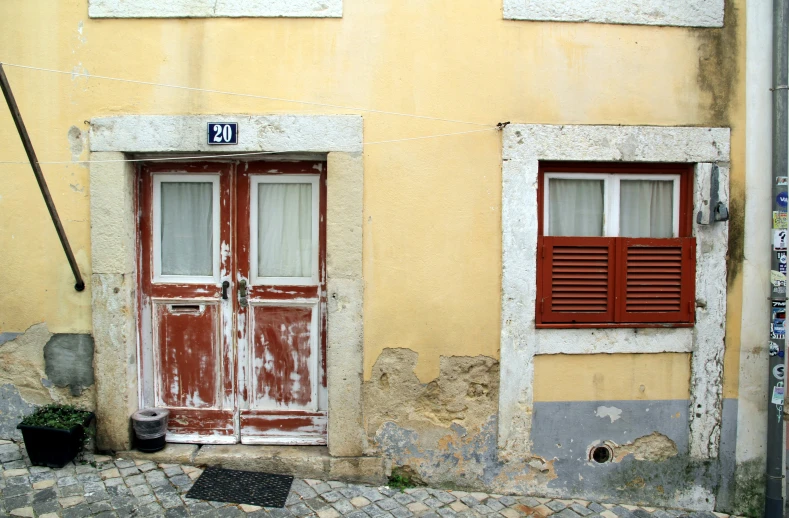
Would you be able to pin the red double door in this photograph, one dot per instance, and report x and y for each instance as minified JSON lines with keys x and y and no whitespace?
{"x":232,"y":319}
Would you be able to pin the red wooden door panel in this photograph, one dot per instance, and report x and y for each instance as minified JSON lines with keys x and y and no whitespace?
{"x":281,"y":330}
{"x":189,"y":333}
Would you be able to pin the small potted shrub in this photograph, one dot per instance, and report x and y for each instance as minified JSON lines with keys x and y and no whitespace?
{"x":55,"y":434}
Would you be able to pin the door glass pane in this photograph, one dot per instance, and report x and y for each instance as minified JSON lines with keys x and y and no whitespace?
{"x":646,"y":208}
{"x":285,"y":230}
{"x":187,"y":228}
{"x":575,"y":207}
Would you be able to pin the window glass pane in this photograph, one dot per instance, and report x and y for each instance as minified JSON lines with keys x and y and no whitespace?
{"x":187,"y":228}
{"x":285,"y":230}
{"x":646,"y":208}
{"x":575,"y":207}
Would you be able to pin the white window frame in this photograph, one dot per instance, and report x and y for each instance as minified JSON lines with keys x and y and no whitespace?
{"x":256,"y":280}
{"x":158,"y":179}
{"x":611,"y":188}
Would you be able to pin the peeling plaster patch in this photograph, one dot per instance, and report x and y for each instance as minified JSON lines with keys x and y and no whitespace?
{"x":23,"y":373}
{"x":23,"y":381}
{"x":75,"y":142}
{"x":655,"y":447}
{"x":12,"y":409}
{"x":456,"y":447}
{"x":5,"y":337}
{"x":608,"y":411}
{"x":684,"y":13}
{"x":524,"y":145}
{"x":214,"y":8}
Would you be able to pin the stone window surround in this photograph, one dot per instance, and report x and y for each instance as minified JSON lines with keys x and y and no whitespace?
{"x":215,"y":8}
{"x":113,"y":245}
{"x":524,"y":145}
{"x":680,"y":13}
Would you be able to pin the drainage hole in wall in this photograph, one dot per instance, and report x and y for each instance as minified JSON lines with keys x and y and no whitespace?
{"x":601,"y":454}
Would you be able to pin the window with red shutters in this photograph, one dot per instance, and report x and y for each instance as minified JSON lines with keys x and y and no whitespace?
{"x":610,"y":280}
{"x":578,"y":279}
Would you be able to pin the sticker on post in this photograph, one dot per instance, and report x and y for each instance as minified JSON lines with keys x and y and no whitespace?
{"x":781,"y":199}
{"x":779,"y":219}
{"x":775,"y":349}
{"x":778,"y":396}
{"x":222,"y":133}
{"x":779,"y":239}
{"x":780,"y":180}
{"x":777,"y":279}
{"x":778,"y":372}
{"x":781,"y":262}
{"x":777,"y":326}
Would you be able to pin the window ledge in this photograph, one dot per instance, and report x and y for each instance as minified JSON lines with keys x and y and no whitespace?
{"x":602,"y":325}
{"x":215,"y":8}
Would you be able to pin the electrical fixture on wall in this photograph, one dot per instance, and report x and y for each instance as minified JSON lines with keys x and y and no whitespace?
{"x":717,"y":209}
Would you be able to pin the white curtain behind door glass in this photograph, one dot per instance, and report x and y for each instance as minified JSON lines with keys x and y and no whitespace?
{"x":187,"y":228}
{"x":575,"y":207}
{"x":646,"y":208}
{"x":285,"y":230}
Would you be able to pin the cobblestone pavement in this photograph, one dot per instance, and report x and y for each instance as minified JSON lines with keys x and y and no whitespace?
{"x":103,"y":486}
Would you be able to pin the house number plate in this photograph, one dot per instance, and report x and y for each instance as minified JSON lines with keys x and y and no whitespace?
{"x":222,"y":133}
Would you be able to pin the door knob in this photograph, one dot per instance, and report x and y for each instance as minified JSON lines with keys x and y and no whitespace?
{"x":242,"y":293}
{"x":225,"y":286}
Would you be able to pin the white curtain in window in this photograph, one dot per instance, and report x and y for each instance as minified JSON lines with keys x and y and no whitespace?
{"x":646,"y":208}
{"x":187,"y":228}
{"x":575,"y":207}
{"x":285,"y":230}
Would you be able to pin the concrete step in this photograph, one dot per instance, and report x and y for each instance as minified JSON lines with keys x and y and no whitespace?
{"x":312,"y":462}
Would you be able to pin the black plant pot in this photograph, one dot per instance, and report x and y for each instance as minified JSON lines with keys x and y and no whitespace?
{"x":53,"y":447}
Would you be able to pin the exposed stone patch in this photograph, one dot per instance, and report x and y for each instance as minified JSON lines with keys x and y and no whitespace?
{"x":465,"y":393}
{"x":655,"y":447}
{"x":444,"y":431}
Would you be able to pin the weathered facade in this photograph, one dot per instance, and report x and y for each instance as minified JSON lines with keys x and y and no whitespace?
{"x":417,"y":339}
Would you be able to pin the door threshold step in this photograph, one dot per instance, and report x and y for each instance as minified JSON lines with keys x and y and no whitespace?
{"x":312,"y":462}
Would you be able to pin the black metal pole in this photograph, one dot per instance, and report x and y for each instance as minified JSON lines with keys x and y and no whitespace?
{"x":774,"y":502}
{"x":42,"y":183}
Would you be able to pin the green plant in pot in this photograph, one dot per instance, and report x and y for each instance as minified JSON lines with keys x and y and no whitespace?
{"x":55,"y":434}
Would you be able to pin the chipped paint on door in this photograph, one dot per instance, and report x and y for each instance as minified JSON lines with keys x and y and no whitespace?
{"x":188,"y":348}
{"x":282,"y":342}
{"x":249,"y":369}
{"x":284,"y":367}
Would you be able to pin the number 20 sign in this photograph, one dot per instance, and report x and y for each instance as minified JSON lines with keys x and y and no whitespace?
{"x":223,"y":133}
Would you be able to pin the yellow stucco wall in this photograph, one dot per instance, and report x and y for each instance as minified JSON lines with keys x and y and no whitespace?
{"x":604,"y":377}
{"x":432,"y":242}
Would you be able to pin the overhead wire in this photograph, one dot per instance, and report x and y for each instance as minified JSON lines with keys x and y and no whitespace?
{"x":241,"y":94}
{"x":232,"y":154}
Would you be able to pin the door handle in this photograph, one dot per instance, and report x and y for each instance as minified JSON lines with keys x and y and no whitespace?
{"x":242,"y":293}
{"x":225,"y":286}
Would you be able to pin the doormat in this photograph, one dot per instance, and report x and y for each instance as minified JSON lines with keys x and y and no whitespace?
{"x":241,"y":487}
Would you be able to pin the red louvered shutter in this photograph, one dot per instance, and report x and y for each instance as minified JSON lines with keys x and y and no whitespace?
{"x":577,"y":275}
{"x":656,"y":280}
